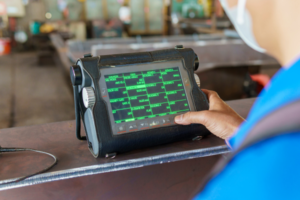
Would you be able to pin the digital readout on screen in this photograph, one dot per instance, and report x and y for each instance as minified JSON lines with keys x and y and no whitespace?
{"x":147,"y":94}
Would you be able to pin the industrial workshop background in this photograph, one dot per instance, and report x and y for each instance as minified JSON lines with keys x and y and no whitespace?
{"x":41,"y":39}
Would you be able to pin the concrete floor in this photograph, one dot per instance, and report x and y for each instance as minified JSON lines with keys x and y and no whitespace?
{"x":32,"y":94}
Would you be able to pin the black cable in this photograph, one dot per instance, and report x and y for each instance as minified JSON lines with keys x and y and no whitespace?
{"x":9,"y":150}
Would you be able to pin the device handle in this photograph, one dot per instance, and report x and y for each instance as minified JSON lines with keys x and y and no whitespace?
{"x":76,"y":78}
{"x":77,"y":114}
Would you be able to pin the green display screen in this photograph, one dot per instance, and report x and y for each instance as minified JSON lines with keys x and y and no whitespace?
{"x":147,"y":94}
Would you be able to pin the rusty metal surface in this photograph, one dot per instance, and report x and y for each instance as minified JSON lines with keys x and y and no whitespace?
{"x":212,"y":54}
{"x":85,"y":46}
{"x":221,"y":58}
{"x":214,"y":50}
{"x":115,"y":166}
{"x":59,"y":139}
{"x":177,"y":180}
{"x":156,"y":181}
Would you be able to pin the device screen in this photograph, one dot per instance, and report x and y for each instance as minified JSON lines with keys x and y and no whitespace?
{"x":146,"y":94}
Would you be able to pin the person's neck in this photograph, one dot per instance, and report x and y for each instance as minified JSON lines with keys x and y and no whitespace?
{"x":288,"y":40}
{"x":290,"y":54}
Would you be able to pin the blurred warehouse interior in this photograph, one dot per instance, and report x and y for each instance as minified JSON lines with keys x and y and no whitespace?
{"x":41,"y":39}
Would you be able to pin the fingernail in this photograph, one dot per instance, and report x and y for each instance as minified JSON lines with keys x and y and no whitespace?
{"x":178,"y":118}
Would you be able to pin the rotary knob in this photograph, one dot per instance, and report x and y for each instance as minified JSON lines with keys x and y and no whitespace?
{"x":197,"y":79}
{"x":88,"y":97}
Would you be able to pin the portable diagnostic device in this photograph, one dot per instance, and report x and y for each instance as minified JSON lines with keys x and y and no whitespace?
{"x":129,"y":101}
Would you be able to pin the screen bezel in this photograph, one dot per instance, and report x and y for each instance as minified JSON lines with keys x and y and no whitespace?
{"x":140,"y":68}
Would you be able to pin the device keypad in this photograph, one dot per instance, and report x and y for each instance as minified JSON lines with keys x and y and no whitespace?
{"x":144,"y":125}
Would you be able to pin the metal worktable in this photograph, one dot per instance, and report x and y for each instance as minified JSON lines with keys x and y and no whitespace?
{"x":170,"y":171}
{"x":214,"y":51}
{"x":225,"y":63}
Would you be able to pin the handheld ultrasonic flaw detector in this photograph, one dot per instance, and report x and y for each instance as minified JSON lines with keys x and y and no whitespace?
{"x":129,"y":101}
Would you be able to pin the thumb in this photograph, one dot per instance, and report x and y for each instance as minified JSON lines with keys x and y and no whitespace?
{"x":191,"y":118}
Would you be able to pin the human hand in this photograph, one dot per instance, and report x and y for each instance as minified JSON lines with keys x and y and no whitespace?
{"x":220,"y":119}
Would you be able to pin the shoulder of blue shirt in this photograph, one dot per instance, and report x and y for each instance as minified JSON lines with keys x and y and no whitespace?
{"x":284,"y":88}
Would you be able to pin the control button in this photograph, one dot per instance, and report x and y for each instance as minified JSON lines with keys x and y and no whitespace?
{"x":197,"y":79}
{"x":121,"y":129}
{"x":132,"y":127}
{"x":88,"y":97}
{"x":144,"y":125}
{"x":172,"y":120}
{"x":103,"y":92}
{"x":166,"y":121}
{"x":154,"y":123}
{"x":185,"y":81}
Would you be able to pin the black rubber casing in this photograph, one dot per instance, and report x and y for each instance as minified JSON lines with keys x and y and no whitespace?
{"x":109,"y":143}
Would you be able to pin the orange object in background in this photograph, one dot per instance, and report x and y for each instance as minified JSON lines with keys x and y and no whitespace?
{"x":262,"y":81}
{"x":5,"y":46}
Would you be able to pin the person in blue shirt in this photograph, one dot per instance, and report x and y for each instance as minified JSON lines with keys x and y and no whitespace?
{"x":269,"y":166}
